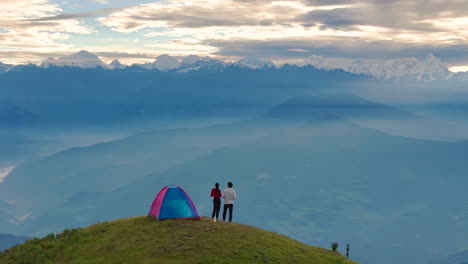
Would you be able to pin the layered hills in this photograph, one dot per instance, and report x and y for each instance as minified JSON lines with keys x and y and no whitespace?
{"x":305,"y":168}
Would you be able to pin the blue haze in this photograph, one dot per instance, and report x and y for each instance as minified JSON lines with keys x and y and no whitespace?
{"x":309,"y":156}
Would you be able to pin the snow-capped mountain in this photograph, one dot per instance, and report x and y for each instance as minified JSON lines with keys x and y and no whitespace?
{"x":195,"y":63}
{"x":428,"y":69}
{"x":115,"y":64}
{"x":189,"y":63}
{"x":253,"y":63}
{"x":82,"y":59}
{"x":165,"y":62}
{"x":191,"y":59}
{"x":5,"y":67}
{"x":460,"y":76}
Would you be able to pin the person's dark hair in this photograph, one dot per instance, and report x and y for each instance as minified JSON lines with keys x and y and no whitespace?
{"x":230,"y":184}
{"x":217,"y":185}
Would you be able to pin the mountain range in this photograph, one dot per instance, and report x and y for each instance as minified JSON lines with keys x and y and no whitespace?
{"x":429,"y":68}
{"x":85,"y":59}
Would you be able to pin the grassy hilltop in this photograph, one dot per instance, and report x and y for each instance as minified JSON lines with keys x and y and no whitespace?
{"x":144,"y":240}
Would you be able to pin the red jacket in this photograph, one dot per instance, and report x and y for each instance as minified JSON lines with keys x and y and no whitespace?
{"x":216,"y":193}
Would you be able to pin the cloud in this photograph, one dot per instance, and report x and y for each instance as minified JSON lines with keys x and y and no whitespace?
{"x":4,"y":172}
{"x":231,"y":27}
{"x":21,"y":27}
{"x":67,"y":16}
{"x":459,"y":69}
{"x":275,"y":30}
{"x":203,"y":13}
{"x":21,"y":219}
{"x":103,"y":2}
{"x":195,"y":25}
{"x":337,"y":47}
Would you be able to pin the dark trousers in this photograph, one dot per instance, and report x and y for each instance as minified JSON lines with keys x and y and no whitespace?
{"x":226,"y":207}
{"x":216,"y":207}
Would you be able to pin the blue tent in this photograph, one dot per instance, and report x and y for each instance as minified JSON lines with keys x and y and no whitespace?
{"x":172,"y":202}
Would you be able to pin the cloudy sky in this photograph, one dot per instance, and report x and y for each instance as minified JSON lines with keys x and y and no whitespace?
{"x":139,"y":30}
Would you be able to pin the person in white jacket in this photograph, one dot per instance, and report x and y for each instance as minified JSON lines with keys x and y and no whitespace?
{"x":229,"y":197}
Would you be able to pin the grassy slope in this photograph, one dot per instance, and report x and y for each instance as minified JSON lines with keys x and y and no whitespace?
{"x":144,"y":240}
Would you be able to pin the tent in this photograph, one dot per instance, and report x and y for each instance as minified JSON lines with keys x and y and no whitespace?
{"x":172,"y":202}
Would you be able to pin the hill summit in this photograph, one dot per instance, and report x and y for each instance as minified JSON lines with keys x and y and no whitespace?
{"x":144,"y":240}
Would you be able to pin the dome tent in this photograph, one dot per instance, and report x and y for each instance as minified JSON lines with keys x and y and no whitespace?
{"x":172,"y":202}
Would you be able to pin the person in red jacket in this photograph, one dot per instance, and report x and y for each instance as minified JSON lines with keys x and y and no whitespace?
{"x":216,"y":194}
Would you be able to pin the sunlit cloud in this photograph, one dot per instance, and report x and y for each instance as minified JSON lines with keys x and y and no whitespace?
{"x":459,"y":68}
{"x":104,"y":2}
{"x":184,"y":47}
{"x":320,"y":23}
{"x":285,"y":30}
{"x":20,"y":29}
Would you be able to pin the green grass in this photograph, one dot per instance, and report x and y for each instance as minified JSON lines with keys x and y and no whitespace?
{"x":144,"y":240}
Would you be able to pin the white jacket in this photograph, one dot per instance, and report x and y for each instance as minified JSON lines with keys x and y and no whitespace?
{"x":229,"y":196}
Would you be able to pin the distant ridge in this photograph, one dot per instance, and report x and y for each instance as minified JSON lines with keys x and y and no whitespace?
{"x":8,"y":241}
{"x":343,"y":105}
{"x":459,"y":258}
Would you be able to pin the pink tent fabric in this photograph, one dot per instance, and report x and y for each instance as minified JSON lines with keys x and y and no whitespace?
{"x":156,"y":205}
{"x":172,"y":202}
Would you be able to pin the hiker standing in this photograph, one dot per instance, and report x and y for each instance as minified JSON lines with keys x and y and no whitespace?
{"x":229,"y":197}
{"x":216,"y":194}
